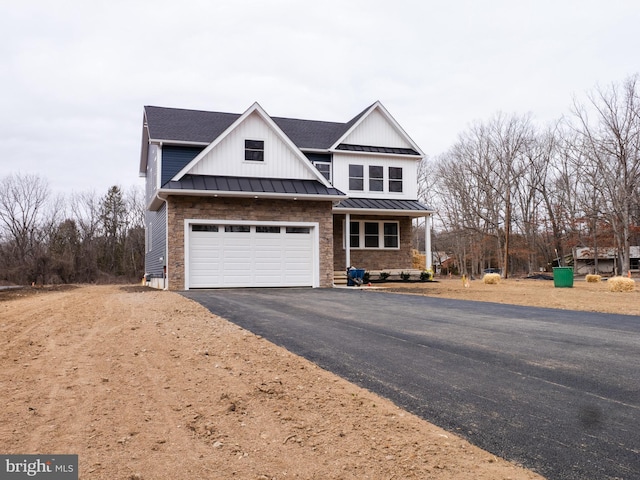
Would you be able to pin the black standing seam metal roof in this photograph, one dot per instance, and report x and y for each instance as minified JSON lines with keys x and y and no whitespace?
{"x":372,"y":149}
{"x":199,"y":126}
{"x":252,"y":185}
{"x":382,"y":204}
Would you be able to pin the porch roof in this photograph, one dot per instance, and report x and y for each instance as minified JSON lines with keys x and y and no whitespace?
{"x":375,"y":206}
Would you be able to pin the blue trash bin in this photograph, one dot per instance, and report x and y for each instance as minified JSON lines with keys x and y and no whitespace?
{"x":355,"y":276}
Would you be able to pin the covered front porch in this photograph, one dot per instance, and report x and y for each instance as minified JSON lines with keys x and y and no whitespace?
{"x":376,"y":235}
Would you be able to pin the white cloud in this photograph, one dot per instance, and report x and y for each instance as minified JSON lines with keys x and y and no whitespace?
{"x":75,"y":74}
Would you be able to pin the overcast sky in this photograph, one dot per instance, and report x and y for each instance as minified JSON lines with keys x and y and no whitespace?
{"x":75,"y":74}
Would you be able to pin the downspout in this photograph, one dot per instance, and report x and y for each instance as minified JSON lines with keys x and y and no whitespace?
{"x":165,"y":268}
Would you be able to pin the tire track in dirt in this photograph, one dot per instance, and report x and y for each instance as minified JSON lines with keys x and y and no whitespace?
{"x":143,"y":384}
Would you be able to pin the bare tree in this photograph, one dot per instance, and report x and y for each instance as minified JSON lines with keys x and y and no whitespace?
{"x":478,"y":178}
{"x":611,"y":139}
{"x":23,"y":199}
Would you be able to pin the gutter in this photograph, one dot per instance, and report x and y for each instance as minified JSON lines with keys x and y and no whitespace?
{"x":225,"y":193}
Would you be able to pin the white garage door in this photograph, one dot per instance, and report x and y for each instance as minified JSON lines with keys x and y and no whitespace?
{"x":250,"y":256}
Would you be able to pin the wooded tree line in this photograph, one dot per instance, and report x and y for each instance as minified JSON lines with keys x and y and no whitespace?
{"x":509,"y":194}
{"x":518,"y":197}
{"x":83,"y":238}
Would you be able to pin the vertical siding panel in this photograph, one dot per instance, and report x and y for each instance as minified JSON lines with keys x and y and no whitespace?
{"x":175,"y":158}
{"x":409,"y":175}
{"x":158,"y":220}
{"x":375,"y":130}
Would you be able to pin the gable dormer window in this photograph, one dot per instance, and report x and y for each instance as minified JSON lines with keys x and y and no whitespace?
{"x":254,"y":150}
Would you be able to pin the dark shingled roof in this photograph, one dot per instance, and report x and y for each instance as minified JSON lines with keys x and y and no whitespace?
{"x":311,"y":133}
{"x":204,"y":127}
{"x":382,"y":204}
{"x":187,"y":125}
{"x":252,"y":185}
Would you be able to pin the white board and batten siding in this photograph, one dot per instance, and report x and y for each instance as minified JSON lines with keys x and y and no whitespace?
{"x":341,"y":162}
{"x":376,"y":130}
{"x":215,"y":258}
{"x":227,"y":158}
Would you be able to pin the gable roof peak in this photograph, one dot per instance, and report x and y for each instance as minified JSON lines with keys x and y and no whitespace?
{"x":238,"y":120}
{"x":355,"y":122}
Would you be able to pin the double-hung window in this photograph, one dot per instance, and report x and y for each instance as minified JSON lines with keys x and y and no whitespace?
{"x":376,"y":178}
{"x":356,"y":177}
{"x":324,"y":168}
{"x":371,"y":235}
{"x":378,"y":235}
{"x":391,"y":235}
{"x":395,"y":179}
{"x":254,"y":150}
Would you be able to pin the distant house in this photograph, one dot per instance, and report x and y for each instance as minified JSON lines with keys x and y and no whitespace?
{"x":441,"y":260}
{"x":250,"y":200}
{"x":584,"y":259}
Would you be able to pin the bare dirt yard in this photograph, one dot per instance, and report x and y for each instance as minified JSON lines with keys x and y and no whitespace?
{"x":145,"y":384}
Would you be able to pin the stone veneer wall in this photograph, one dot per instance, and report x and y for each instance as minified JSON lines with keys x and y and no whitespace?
{"x":181,"y":208}
{"x":371,"y":259}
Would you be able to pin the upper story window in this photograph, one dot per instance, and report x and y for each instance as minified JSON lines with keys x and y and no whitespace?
{"x":254,"y":150}
{"x":395,"y":179}
{"x":322,"y":162}
{"x":356,"y":177}
{"x":376,"y":178}
{"x":324,"y":168}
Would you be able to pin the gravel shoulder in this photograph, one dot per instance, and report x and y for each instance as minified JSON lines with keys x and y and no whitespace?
{"x":145,"y":384}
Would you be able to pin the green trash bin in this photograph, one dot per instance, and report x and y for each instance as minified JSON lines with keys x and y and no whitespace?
{"x":563,"y":277}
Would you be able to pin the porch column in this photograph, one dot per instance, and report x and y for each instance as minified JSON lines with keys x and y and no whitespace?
{"x":347,"y":239}
{"x":427,"y":242}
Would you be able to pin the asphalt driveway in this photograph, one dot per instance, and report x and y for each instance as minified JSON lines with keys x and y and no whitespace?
{"x":557,"y":391}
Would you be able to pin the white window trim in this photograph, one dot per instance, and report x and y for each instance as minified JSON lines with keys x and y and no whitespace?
{"x":361,"y":235}
{"x":316,"y":162}
{"x":150,"y":237}
{"x":386,"y":180}
{"x":394,"y":180}
{"x":264,"y":151}
{"x":364,"y":177}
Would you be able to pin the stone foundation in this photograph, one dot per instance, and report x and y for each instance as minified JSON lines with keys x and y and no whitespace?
{"x":183,"y":207}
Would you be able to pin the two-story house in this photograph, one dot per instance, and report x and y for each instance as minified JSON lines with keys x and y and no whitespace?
{"x":249,"y":200}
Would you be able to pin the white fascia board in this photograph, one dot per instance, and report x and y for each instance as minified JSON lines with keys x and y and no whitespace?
{"x":144,"y":152}
{"x":390,"y":118}
{"x":315,"y":150}
{"x":372,"y":211}
{"x":160,"y":141}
